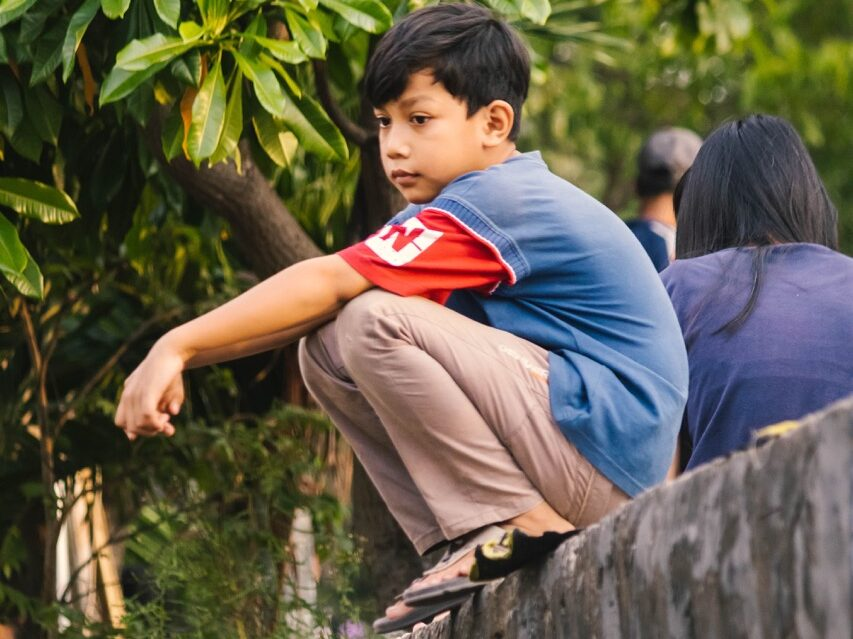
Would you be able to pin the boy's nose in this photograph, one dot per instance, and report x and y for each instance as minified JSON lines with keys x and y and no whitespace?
{"x":395,"y":145}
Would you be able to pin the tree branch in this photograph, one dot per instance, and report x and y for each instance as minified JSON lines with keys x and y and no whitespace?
{"x":48,"y":474}
{"x":352,"y":131}
{"x":265,"y":230}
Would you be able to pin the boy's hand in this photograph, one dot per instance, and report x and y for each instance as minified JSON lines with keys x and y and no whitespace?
{"x":152,"y":394}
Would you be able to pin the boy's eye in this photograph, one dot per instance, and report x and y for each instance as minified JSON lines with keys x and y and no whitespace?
{"x":383,"y":121}
{"x":420,"y":119}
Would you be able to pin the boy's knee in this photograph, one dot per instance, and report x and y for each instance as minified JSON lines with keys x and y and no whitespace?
{"x":359,"y":323}
{"x":318,"y":351}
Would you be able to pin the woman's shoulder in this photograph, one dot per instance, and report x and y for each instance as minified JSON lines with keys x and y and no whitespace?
{"x":693,"y":269}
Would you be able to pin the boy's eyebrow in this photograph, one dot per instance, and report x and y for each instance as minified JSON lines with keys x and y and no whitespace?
{"x":409,"y":102}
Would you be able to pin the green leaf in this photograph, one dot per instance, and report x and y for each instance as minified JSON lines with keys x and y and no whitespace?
{"x":190,"y":30}
{"x":74,"y":36}
{"x":309,"y":5}
{"x":173,"y":135}
{"x":309,"y":37}
{"x":208,"y":115}
{"x":13,"y":255}
{"x":169,"y":11}
{"x":536,"y":11}
{"x":11,"y":10}
{"x":313,"y":128}
{"x":267,"y":87}
{"x":278,"y":143}
{"x":370,"y":15}
{"x":32,"y":24}
{"x":120,"y":83}
{"x":16,"y":263}
{"x":249,"y":48}
{"x":139,"y":55}
{"x":48,"y":55}
{"x":37,"y":200}
{"x":282,"y":73}
{"x":188,"y":68}
{"x":214,"y":14}
{"x":507,"y":8}
{"x":11,"y":108}
{"x":4,"y":52}
{"x":31,"y":282}
{"x":114,"y":9}
{"x":285,"y":50}
{"x":233,"y":128}
{"x":26,"y":142}
{"x":45,"y":114}
{"x":139,"y":106}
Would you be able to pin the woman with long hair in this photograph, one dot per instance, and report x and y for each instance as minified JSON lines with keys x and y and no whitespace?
{"x":764,"y":298}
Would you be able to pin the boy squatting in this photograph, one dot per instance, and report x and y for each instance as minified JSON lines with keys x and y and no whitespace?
{"x":501,"y":355}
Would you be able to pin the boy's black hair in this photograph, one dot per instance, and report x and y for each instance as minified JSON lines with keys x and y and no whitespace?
{"x":753,"y":184}
{"x":476,"y":57}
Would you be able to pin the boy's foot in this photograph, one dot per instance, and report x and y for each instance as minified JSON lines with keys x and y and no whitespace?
{"x":454,"y":565}
{"x":492,"y":560}
{"x":403,"y":617}
{"x":447,"y":585}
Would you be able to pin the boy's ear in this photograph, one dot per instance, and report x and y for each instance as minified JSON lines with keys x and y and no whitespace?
{"x":498,"y":120}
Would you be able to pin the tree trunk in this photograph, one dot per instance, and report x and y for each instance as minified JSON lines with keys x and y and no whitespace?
{"x":268,"y":235}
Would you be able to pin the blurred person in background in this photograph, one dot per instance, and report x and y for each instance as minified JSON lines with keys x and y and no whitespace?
{"x":663,"y":159}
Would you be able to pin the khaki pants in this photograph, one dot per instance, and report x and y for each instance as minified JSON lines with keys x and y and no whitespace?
{"x":449,"y":417}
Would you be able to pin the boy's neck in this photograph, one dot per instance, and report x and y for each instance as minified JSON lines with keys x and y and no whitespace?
{"x":501,"y":154}
{"x":658,"y":208}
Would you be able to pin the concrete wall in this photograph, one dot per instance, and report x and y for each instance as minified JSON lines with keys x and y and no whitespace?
{"x":756,"y":545}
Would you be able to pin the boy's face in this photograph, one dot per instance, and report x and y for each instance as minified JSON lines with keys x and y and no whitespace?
{"x":427,"y":139}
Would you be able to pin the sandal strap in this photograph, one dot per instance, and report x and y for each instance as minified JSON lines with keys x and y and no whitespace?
{"x":461,"y":546}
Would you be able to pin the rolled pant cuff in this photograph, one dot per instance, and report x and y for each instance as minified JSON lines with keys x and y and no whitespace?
{"x":489,"y":517}
{"x":428,"y":541}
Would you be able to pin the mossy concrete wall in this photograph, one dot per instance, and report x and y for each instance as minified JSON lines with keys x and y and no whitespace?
{"x":756,"y":545}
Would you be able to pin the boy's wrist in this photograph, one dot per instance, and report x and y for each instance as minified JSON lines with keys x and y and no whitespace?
{"x":174,"y":343}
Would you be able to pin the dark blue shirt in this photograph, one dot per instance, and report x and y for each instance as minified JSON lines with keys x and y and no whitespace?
{"x":657,"y":239}
{"x":792,"y":356}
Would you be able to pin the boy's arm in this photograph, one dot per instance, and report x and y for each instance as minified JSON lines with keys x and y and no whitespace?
{"x":279,"y":310}
{"x":257,"y":345}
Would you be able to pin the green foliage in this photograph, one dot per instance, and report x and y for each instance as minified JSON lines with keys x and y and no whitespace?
{"x":35,"y":200}
{"x":597,"y":94}
{"x":223,"y":570}
{"x":234,"y":34}
{"x":208,"y":115}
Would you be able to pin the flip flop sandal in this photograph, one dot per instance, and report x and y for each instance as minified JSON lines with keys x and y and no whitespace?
{"x":442,"y":591}
{"x":416,"y":595}
{"x":515,"y":549}
{"x":421,"y":613}
{"x":458,"y":548}
{"x":492,"y":560}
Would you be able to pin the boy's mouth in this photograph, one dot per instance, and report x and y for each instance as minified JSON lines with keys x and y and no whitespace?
{"x":403,"y":178}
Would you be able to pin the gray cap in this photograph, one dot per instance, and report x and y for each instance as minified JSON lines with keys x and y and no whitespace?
{"x":664,"y":158}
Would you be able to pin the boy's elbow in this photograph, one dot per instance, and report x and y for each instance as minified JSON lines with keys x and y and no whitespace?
{"x":342,"y":280}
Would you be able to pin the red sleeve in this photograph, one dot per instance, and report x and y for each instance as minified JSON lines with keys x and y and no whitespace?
{"x":431,"y":255}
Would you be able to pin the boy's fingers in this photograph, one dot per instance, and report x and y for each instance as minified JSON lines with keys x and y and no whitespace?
{"x":119,"y":418}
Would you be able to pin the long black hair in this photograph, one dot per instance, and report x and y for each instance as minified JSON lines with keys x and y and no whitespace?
{"x":752,"y":184}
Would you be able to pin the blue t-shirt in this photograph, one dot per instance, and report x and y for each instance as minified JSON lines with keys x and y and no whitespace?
{"x":657,"y":239}
{"x":587,"y":293}
{"x":792,"y":356}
